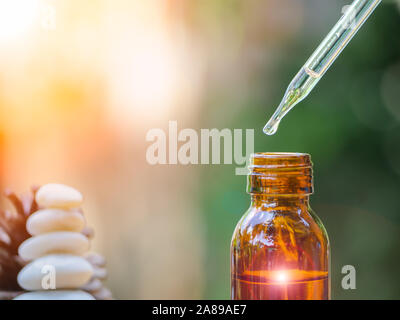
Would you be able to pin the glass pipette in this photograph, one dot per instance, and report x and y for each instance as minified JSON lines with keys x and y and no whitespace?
{"x":322,"y":58}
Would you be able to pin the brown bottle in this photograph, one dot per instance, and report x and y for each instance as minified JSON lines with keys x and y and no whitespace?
{"x":280,"y":249}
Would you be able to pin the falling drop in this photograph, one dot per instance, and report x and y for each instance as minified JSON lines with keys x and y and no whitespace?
{"x":271,"y":127}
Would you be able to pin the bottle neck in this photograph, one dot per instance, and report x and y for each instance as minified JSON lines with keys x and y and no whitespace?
{"x":268,"y":201}
{"x":280,"y":174}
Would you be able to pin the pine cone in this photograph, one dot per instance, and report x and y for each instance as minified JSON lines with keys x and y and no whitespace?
{"x":12,"y":234}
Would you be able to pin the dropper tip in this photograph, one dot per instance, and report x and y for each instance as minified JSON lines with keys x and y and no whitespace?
{"x":271,"y":127}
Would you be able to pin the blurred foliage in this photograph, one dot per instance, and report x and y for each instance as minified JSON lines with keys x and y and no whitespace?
{"x":354,"y":140}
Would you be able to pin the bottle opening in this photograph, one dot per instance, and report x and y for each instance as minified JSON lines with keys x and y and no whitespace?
{"x":280,"y":173}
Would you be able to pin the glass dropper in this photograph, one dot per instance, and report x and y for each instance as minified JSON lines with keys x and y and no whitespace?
{"x":322,"y":58}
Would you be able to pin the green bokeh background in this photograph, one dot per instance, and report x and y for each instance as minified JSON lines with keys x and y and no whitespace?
{"x":350,"y":124}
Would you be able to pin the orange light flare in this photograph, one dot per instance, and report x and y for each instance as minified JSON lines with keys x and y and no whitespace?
{"x":145,"y":82}
{"x":149,"y":69}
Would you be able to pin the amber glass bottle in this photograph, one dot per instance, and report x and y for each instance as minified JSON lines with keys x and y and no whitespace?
{"x":280,"y":249}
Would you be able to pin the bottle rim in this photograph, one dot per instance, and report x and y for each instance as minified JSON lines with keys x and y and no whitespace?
{"x":280,"y":173}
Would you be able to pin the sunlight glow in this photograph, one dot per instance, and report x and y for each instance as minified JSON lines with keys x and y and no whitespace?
{"x":148,"y":74}
{"x":152,"y":73}
{"x":16,"y":18}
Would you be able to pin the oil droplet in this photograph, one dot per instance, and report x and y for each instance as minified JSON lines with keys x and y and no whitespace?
{"x":271,"y":127}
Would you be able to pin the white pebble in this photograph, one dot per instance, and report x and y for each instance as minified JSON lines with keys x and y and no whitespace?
{"x":55,"y":295}
{"x":49,"y":220}
{"x":53,"y":242}
{"x":68,"y":271}
{"x":54,"y":195}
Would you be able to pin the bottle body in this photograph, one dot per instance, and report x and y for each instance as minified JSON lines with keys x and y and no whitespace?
{"x":280,"y":249}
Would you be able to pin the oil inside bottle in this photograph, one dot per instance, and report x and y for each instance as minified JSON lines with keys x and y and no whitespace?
{"x":281,"y":285}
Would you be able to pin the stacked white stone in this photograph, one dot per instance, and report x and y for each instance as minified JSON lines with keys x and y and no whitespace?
{"x":56,"y":268}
